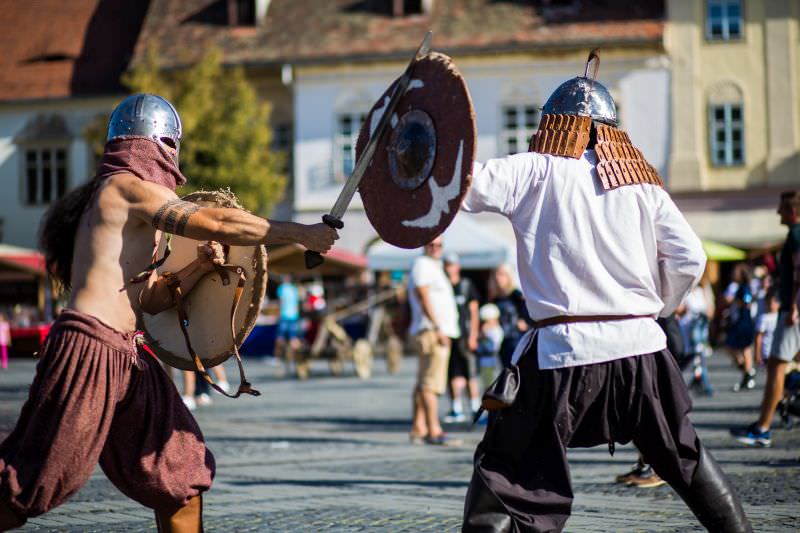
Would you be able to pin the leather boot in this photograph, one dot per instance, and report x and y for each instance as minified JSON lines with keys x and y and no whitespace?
{"x":187,"y":519}
{"x":712,"y":498}
{"x":8,"y":518}
{"x":483,"y":512}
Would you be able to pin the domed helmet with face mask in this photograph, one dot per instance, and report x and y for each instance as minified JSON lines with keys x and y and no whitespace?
{"x":147,"y":115}
{"x":581,"y":110}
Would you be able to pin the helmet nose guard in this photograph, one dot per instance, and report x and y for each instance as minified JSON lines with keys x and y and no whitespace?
{"x":583,"y":96}
{"x":147,"y":115}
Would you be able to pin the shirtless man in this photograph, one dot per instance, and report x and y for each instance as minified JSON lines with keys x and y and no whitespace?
{"x":94,"y":398}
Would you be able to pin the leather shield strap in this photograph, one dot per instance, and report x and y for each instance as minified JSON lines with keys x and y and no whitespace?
{"x":174,"y":285}
{"x":568,"y":319}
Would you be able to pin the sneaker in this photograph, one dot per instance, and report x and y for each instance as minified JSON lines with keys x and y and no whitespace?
{"x":646,"y":479}
{"x":225,"y":386}
{"x":454,"y":417}
{"x":442,"y":440}
{"x":628,"y":476}
{"x":748,"y":382}
{"x":204,"y":399}
{"x":752,"y":436}
{"x":189,"y":402}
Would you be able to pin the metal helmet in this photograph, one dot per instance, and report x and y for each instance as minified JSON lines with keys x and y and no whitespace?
{"x":583,"y":96}
{"x":147,"y":115}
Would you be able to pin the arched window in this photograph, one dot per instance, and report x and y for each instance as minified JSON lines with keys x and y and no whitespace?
{"x":726,"y":125}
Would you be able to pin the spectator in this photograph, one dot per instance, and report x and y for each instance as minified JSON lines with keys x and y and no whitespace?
{"x":514,"y":317}
{"x":740,"y":330}
{"x":699,"y":308}
{"x":786,"y":339}
{"x":434,"y":326}
{"x":5,"y":340}
{"x":765,"y":326}
{"x":462,"y":369}
{"x":491,"y":338}
{"x":288,"y":321}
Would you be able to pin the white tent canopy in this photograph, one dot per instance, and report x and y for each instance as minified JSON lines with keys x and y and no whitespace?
{"x":476,"y":247}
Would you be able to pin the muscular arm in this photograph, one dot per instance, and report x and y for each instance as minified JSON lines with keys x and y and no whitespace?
{"x":165,"y":211}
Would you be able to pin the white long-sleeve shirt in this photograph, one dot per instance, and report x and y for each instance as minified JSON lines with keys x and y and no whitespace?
{"x":582,"y":250}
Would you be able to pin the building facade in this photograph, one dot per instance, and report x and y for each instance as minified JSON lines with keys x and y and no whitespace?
{"x":735,"y":114}
{"x":60,"y":68}
{"x":323,"y":64}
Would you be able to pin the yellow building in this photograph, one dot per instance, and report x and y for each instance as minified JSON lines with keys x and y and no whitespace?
{"x":736,"y":114}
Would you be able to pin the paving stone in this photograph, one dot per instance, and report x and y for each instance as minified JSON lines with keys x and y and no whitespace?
{"x":332,"y":454}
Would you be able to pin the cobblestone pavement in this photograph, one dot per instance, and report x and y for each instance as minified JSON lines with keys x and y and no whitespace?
{"x":332,"y":454}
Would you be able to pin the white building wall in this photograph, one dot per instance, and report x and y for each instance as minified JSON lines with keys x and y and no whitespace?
{"x":639,"y":84}
{"x":20,"y":221}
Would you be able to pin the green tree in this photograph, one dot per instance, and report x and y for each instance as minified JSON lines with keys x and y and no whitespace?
{"x":226,"y":133}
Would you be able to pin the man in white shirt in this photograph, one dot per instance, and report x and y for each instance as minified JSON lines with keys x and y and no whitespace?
{"x":434,"y":325}
{"x":602,"y":251}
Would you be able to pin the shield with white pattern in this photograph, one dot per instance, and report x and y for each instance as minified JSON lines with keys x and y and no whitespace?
{"x":422,"y":167}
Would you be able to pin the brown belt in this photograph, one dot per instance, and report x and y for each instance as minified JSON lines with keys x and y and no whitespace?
{"x":567,"y":319}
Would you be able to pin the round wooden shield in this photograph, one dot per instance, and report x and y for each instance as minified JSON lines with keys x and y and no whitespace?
{"x":208,"y":304}
{"x":422,"y":167}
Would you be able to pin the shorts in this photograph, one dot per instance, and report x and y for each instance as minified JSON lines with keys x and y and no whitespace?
{"x":288,"y":329}
{"x":96,"y":399}
{"x":433,"y":358}
{"x":462,"y":361}
{"x":786,"y":340}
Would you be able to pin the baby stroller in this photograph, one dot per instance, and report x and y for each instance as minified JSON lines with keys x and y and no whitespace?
{"x":789,"y":406}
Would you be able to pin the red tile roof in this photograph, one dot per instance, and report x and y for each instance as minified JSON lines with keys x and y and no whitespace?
{"x":329,"y":30}
{"x":58,"y":48}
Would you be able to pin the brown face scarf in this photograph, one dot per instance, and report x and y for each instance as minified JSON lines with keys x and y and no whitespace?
{"x":148,"y":160}
{"x":143,"y":157}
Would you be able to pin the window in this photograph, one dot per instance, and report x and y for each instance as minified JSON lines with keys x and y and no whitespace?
{"x":726,"y":128}
{"x":45,"y":175}
{"x":408,"y":7}
{"x":519,"y":124}
{"x":242,"y":12}
{"x":282,"y":143}
{"x":347,"y":128}
{"x":724,"y":20}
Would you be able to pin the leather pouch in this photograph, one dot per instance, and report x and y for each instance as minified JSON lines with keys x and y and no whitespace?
{"x":502,"y":392}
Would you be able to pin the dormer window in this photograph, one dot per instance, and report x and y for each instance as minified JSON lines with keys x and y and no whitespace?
{"x":403,"y":8}
{"x":247,"y":12}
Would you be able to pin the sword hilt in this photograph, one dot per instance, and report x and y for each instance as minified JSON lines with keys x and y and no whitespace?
{"x":315,"y":259}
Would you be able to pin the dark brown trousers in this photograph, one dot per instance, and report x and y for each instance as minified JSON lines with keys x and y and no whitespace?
{"x":95,"y":399}
{"x":521,"y":463}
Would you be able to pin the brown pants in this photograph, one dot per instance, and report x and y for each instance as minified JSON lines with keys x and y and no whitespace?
{"x":521,"y":463}
{"x":95,"y":399}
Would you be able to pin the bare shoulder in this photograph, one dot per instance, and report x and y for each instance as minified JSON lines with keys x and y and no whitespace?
{"x":136,"y":190}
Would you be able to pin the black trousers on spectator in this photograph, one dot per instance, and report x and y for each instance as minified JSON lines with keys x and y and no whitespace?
{"x":521,"y":480}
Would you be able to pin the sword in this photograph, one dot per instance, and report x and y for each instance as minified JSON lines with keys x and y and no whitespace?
{"x":334,"y":218}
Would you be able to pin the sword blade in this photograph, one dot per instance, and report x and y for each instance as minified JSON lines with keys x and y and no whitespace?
{"x":351,"y":185}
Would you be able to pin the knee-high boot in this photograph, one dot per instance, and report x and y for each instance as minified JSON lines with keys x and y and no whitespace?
{"x":187,"y":519}
{"x":712,"y":498}
{"x":8,"y":518}
{"x":483,"y":512}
